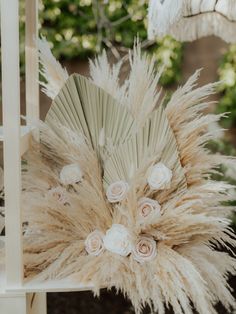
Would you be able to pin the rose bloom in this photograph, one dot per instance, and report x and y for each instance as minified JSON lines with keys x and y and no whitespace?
{"x":145,"y":249}
{"x":59,"y":194}
{"x":71,"y":174}
{"x":148,"y":209}
{"x":94,"y":243}
{"x":159,"y":177}
{"x":118,"y":240}
{"x":117,"y":191}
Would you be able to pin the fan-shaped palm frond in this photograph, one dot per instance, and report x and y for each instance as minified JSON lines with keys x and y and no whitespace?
{"x":154,"y":142}
{"x":84,"y":107}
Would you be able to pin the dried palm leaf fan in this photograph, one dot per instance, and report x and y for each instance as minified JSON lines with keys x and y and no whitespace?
{"x":187,"y":20}
{"x":118,"y":191}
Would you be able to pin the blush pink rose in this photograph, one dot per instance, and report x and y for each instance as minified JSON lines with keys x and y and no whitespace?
{"x":148,"y":209}
{"x":94,"y":243}
{"x":145,"y":249}
{"x":117,"y":191}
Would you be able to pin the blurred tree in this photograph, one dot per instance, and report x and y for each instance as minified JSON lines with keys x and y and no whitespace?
{"x":82,"y":28}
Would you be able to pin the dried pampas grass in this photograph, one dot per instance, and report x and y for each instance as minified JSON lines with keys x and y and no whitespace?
{"x":192,"y":19}
{"x":54,"y":76}
{"x":108,"y":134}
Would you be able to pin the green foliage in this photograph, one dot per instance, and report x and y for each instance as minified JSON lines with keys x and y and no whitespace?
{"x":225,"y":147}
{"x":170,"y":53}
{"x":83,"y":28}
{"x":227,"y":73}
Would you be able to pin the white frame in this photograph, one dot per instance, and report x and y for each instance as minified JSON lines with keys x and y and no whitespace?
{"x":15,"y":142}
{"x":14,"y":293}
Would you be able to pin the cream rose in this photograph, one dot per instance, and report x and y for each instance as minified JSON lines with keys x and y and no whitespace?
{"x":118,"y":240}
{"x":145,"y":249}
{"x":148,"y":209}
{"x":159,"y":177}
{"x":59,"y":194}
{"x":117,"y":191}
{"x":94,"y":243}
{"x":71,"y":174}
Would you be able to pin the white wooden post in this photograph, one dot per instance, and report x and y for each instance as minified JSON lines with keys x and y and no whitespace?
{"x":13,"y":304}
{"x":16,"y":297}
{"x":36,"y":303}
{"x":31,"y":60}
{"x":11,"y":130}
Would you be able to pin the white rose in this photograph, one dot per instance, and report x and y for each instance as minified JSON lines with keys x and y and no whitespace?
{"x":159,"y":177}
{"x":118,"y":240}
{"x":94,"y":243}
{"x":145,"y":249}
{"x":117,"y":191}
{"x":148,"y":209}
{"x":71,"y":174}
{"x":59,"y":194}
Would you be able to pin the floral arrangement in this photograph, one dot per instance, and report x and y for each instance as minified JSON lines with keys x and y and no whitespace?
{"x":118,"y":191}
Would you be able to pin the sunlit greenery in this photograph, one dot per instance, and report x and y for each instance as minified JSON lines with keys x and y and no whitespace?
{"x":227,"y":73}
{"x":80,"y":29}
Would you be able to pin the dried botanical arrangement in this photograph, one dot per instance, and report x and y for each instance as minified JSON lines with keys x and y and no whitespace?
{"x":187,"y":20}
{"x":118,"y":191}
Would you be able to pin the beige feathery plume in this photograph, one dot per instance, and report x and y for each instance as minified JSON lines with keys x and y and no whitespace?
{"x":189,"y":20}
{"x":107,"y":76}
{"x":191,"y":128}
{"x":51,"y":70}
{"x":139,"y":91}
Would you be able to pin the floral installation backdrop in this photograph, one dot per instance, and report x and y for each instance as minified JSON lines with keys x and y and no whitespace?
{"x":80,"y":29}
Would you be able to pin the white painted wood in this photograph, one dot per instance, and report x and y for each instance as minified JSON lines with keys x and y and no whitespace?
{"x":25,"y":141}
{"x":22,"y":303}
{"x":25,"y":133}
{"x":63,"y":285}
{"x":31,"y":60}
{"x":11,"y":125}
{"x":13,"y":304}
{"x":2,"y":266}
{"x":13,"y":298}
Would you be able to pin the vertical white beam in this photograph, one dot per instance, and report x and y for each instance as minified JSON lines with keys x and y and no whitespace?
{"x":31,"y":60}
{"x":11,"y":129}
{"x":13,"y":304}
